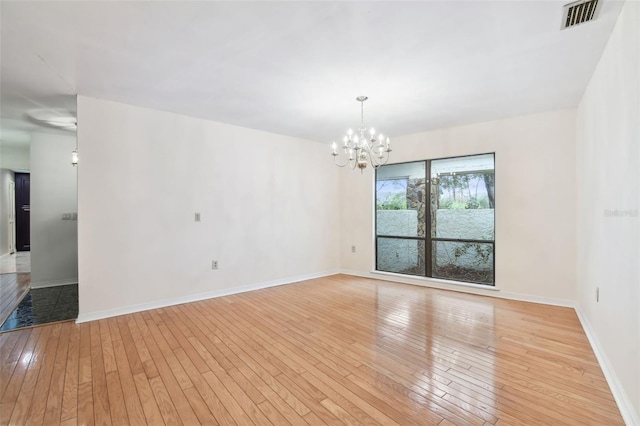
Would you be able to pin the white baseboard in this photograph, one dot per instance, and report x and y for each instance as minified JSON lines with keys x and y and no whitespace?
{"x":92,"y":316}
{"x":462,"y":287}
{"x":565,"y":303}
{"x":625,"y":406}
{"x":54,"y":283}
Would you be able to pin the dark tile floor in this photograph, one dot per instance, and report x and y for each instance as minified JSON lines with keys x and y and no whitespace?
{"x":44,"y":305}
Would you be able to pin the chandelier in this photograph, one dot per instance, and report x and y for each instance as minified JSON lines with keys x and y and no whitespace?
{"x":362,"y":147}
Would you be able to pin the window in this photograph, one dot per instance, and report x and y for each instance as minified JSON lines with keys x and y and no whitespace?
{"x":435,"y":218}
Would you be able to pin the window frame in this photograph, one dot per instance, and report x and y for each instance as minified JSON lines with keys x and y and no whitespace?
{"x":427,"y":238}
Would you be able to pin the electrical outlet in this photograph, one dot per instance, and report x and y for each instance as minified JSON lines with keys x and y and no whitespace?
{"x":597,"y":294}
{"x":197,"y":217}
{"x":214,"y":264}
{"x":353,"y":249}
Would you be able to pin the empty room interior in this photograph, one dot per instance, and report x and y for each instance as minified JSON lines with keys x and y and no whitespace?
{"x":250,"y":212}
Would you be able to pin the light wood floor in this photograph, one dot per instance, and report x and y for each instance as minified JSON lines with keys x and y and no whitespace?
{"x":337,"y":350}
{"x":13,"y":288}
{"x":16,"y":263}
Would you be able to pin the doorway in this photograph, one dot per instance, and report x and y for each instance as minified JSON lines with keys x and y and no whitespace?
{"x":39,"y":283}
{"x":23,"y":211}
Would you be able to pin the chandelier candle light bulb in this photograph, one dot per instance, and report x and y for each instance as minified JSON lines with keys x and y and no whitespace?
{"x":368,"y":149}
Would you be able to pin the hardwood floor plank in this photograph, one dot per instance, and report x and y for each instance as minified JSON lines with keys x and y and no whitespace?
{"x":200,"y":407}
{"x":70,"y":393}
{"x":14,"y":382}
{"x":213,"y":402}
{"x":7,"y":341}
{"x":85,"y":404}
{"x":25,"y":396}
{"x":182,"y":332}
{"x":334,"y":350}
{"x":56,"y":389}
{"x":169,"y":357}
{"x":220,"y":375}
{"x":272,"y":413}
{"x":147,"y":399}
{"x":318,"y":411}
{"x":84,"y":370}
{"x":402,"y":408}
{"x":108,"y":355}
{"x":84,"y":356}
{"x":101,"y":409}
{"x":167,"y":409}
{"x":340,"y":413}
{"x":6,"y":408}
{"x":135,"y":412}
{"x":70,"y":422}
{"x":41,"y":391}
{"x":232,"y":406}
{"x":117,"y":405}
{"x":133,"y":359}
{"x":143,"y":352}
{"x":7,"y":368}
{"x":170,"y":383}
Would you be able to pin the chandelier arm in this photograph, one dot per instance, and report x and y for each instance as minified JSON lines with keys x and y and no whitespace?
{"x":351,"y":162}
{"x":335,"y":161}
{"x":377,"y":165}
{"x":376,"y":161}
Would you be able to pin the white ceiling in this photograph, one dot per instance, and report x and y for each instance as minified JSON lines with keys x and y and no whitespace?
{"x":295,"y":68}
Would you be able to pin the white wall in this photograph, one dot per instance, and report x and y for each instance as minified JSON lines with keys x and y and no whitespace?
{"x":54,"y":242}
{"x":608,"y":160}
{"x":535,"y":202}
{"x":6,"y":177}
{"x":269,"y":208}
{"x":14,"y":157}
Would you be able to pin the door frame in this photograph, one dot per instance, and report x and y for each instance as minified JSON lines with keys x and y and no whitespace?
{"x":23,"y":213}
{"x":12,"y":217}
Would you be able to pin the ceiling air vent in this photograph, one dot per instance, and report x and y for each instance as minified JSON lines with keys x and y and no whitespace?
{"x":579,"y":12}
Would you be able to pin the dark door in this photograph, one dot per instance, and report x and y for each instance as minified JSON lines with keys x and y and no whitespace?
{"x":23,"y":209}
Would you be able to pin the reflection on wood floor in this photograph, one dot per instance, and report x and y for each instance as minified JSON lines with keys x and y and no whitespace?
{"x":13,"y":288}
{"x":335,"y":350}
{"x":19,"y":262}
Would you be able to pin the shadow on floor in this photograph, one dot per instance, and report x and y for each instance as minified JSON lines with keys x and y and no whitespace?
{"x":44,"y":305}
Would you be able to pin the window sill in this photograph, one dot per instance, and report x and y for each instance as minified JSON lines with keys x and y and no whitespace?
{"x":439,"y":281}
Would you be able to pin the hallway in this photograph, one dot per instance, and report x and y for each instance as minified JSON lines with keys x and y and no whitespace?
{"x":15,"y":281}
{"x":21,"y":306}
